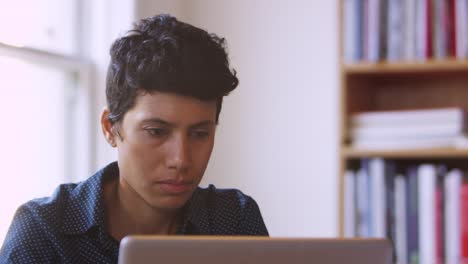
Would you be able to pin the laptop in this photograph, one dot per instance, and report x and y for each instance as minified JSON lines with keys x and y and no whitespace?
{"x":252,"y":250}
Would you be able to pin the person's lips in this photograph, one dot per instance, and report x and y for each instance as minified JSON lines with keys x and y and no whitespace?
{"x":174,"y":186}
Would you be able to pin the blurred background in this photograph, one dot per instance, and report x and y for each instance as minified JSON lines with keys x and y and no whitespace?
{"x":278,"y":134}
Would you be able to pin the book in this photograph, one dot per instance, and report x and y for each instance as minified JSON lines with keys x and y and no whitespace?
{"x":461,"y":28}
{"x":372,"y":30}
{"x":464,"y":222}
{"x":362,"y":204}
{"x":395,"y":31}
{"x":458,"y":142}
{"x":408,"y":117}
{"x":383,"y":28}
{"x":412,"y":215}
{"x":439,"y":214}
{"x":349,"y":204}
{"x":410,"y":29}
{"x":376,"y":29}
{"x":452,"y":185}
{"x":466,"y":28}
{"x":390,"y":173}
{"x":422,"y":29}
{"x":451,"y":29}
{"x":352,"y":25}
{"x":401,"y":247}
{"x":377,"y":171}
{"x":427,"y":174}
{"x":368,"y":196}
{"x":440,"y":29}
{"x":465,"y":14}
{"x":429,"y":29}
{"x":407,"y":131}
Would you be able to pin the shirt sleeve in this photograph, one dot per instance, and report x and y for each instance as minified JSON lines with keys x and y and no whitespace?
{"x":26,"y":242}
{"x":252,"y":223}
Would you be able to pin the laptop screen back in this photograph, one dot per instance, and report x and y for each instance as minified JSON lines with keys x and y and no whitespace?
{"x":250,"y":250}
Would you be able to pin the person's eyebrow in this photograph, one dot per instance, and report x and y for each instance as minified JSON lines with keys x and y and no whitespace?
{"x":206,"y":123}
{"x":157,"y":121}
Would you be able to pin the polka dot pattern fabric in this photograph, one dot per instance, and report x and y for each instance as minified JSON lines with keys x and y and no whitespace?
{"x":68,"y":227}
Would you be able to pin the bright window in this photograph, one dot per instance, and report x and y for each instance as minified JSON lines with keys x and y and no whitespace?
{"x":44,"y":102}
{"x":50,"y":25}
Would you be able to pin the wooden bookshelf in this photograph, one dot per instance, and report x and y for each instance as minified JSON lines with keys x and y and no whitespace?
{"x":405,"y":85}
{"x":430,"y":66}
{"x":441,"y":153}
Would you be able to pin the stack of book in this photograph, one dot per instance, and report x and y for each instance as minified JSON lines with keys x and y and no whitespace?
{"x":395,"y":30}
{"x":408,"y":130}
{"x":422,"y":209}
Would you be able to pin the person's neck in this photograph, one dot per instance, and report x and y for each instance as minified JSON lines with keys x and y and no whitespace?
{"x":127,"y":213}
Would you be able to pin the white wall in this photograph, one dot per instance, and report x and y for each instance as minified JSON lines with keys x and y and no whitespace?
{"x":146,"y":8}
{"x":277,"y":138}
{"x":103,"y":21}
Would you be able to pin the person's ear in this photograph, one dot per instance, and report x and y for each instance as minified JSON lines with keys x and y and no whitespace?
{"x":107,"y":129}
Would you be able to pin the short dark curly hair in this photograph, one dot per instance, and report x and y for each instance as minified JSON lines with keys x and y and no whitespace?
{"x":163,"y":54}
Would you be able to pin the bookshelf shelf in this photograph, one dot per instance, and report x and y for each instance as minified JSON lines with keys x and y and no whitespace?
{"x":441,"y":153}
{"x":430,"y":66}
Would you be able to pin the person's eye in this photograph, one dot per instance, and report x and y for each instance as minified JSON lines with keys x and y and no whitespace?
{"x":157,"y":132}
{"x":199,"y":134}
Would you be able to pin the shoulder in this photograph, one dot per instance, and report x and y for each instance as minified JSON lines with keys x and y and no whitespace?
{"x":47,"y":209}
{"x":41,"y":226}
{"x":35,"y":224}
{"x":224,"y":197}
{"x":36,"y":233}
{"x":231,"y":209}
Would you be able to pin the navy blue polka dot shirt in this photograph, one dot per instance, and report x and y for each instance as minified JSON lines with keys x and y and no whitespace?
{"x":68,"y":227}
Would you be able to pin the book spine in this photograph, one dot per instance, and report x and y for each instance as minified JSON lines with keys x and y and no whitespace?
{"x":395,"y":30}
{"x":439,"y":215}
{"x":439,"y":29}
{"x":383,"y":34}
{"x":368,"y":196}
{"x":400,"y":219}
{"x":375,"y":29}
{"x":365,"y":29}
{"x":452,"y":185}
{"x":407,"y":131}
{"x":464,"y":222}
{"x":358,"y":11}
{"x":390,"y":173}
{"x":461,"y":38}
{"x":465,"y":15}
{"x":362,"y":204}
{"x":352,"y":25}
{"x":429,"y":31}
{"x":410,"y":29}
{"x":378,"y":196}
{"x":349,"y":31}
{"x":414,"y":117}
{"x":350,"y":210}
{"x":412,"y":214}
{"x":438,"y":227}
{"x":452,"y":47}
{"x":426,"y":199}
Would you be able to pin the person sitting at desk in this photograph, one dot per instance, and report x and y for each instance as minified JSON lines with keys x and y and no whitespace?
{"x":165,"y":86}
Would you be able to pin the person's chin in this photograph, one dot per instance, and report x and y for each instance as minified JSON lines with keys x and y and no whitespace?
{"x":172,"y":202}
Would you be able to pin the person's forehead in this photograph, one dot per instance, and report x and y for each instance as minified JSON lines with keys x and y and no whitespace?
{"x":172,"y":107}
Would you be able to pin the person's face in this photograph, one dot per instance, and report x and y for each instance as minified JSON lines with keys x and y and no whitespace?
{"x":166,"y":142}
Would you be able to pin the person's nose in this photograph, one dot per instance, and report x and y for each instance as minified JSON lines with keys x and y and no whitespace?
{"x":179,"y":153}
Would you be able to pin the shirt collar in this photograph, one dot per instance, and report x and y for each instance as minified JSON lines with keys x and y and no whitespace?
{"x":196,"y":215}
{"x":85,"y":207}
